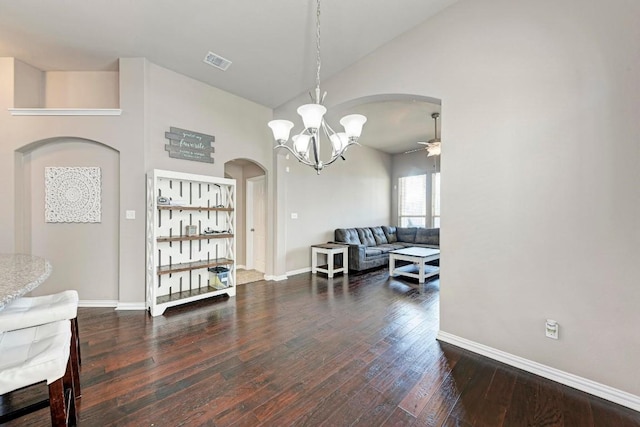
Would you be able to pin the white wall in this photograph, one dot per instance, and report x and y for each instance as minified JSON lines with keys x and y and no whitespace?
{"x":29,"y":85}
{"x":82,"y":89}
{"x":35,"y":88}
{"x":238,"y":125}
{"x":540,"y":200}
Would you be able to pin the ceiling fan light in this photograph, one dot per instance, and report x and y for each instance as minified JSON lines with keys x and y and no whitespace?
{"x":433,"y":149}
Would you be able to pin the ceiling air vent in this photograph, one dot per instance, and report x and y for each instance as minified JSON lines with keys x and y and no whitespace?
{"x":217,"y":61}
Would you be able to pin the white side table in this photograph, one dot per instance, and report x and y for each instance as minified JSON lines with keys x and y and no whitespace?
{"x":329,"y":249}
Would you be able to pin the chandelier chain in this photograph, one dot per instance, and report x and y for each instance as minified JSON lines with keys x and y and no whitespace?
{"x":318,"y":60}
{"x":307,"y":142}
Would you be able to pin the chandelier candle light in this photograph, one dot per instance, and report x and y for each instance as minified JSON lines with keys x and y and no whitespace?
{"x":308,"y":141}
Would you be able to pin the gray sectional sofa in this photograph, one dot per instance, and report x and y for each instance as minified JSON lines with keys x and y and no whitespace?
{"x":369,"y":247}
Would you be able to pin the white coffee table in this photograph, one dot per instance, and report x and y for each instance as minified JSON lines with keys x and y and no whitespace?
{"x":418,"y":269}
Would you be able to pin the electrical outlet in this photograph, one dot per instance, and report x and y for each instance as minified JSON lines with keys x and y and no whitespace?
{"x":551,"y":329}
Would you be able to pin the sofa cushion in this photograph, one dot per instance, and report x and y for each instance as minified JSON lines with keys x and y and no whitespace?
{"x":347,"y":235}
{"x":390,"y":232}
{"x":389,"y":247}
{"x":372,"y":252}
{"x":406,"y":234}
{"x":366,"y":236}
{"x":379,"y":235}
{"x":428,"y":236}
{"x":405,"y":244}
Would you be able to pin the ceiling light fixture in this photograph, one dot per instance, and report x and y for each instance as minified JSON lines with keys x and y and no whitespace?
{"x":308,"y":141}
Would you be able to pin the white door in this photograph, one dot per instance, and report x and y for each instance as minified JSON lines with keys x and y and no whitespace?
{"x":256,"y":224}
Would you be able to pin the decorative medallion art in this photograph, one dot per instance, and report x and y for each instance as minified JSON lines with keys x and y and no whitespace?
{"x":72,"y":194}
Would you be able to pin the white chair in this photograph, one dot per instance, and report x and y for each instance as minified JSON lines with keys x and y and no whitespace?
{"x":26,"y":312}
{"x":37,"y":354}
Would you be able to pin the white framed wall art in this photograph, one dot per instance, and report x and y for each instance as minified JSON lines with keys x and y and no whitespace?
{"x":72,"y":194}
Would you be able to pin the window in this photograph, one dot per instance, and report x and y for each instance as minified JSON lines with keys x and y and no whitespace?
{"x":412,"y":201}
{"x":413,"y":196}
{"x":435,"y":200}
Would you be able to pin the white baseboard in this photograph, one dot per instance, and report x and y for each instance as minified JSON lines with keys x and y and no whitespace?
{"x":97,"y":303}
{"x":275,"y":278}
{"x":131,"y":306}
{"x":300,"y":271}
{"x":287,"y":275}
{"x":609,"y":393}
{"x":112,"y":304}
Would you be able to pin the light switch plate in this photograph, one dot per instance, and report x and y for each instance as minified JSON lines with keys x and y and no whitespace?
{"x":130,"y":214}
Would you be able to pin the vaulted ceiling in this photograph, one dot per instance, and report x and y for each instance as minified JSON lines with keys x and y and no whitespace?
{"x":271,"y":43}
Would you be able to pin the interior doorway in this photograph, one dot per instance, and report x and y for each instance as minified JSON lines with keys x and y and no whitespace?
{"x":256,"y":224}
{"x":251,"y":218}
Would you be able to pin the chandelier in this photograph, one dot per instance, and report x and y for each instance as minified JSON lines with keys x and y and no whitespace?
{"x":305,"y":146}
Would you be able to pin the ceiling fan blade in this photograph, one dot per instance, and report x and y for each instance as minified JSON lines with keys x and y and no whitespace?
{"x":415,"y":149}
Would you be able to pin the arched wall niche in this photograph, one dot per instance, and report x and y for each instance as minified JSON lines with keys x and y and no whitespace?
{"x":85,"y":256}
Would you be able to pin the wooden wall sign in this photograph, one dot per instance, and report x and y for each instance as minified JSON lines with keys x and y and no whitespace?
{"x":189,"y":145}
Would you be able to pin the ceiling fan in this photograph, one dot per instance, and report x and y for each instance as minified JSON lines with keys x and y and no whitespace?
{"x":433,"y":145}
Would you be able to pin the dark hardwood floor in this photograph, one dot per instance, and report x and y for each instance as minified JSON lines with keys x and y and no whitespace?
{"x":308,"y":351}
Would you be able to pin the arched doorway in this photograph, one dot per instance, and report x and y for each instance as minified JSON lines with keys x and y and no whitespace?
{"x":251,"y":218}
